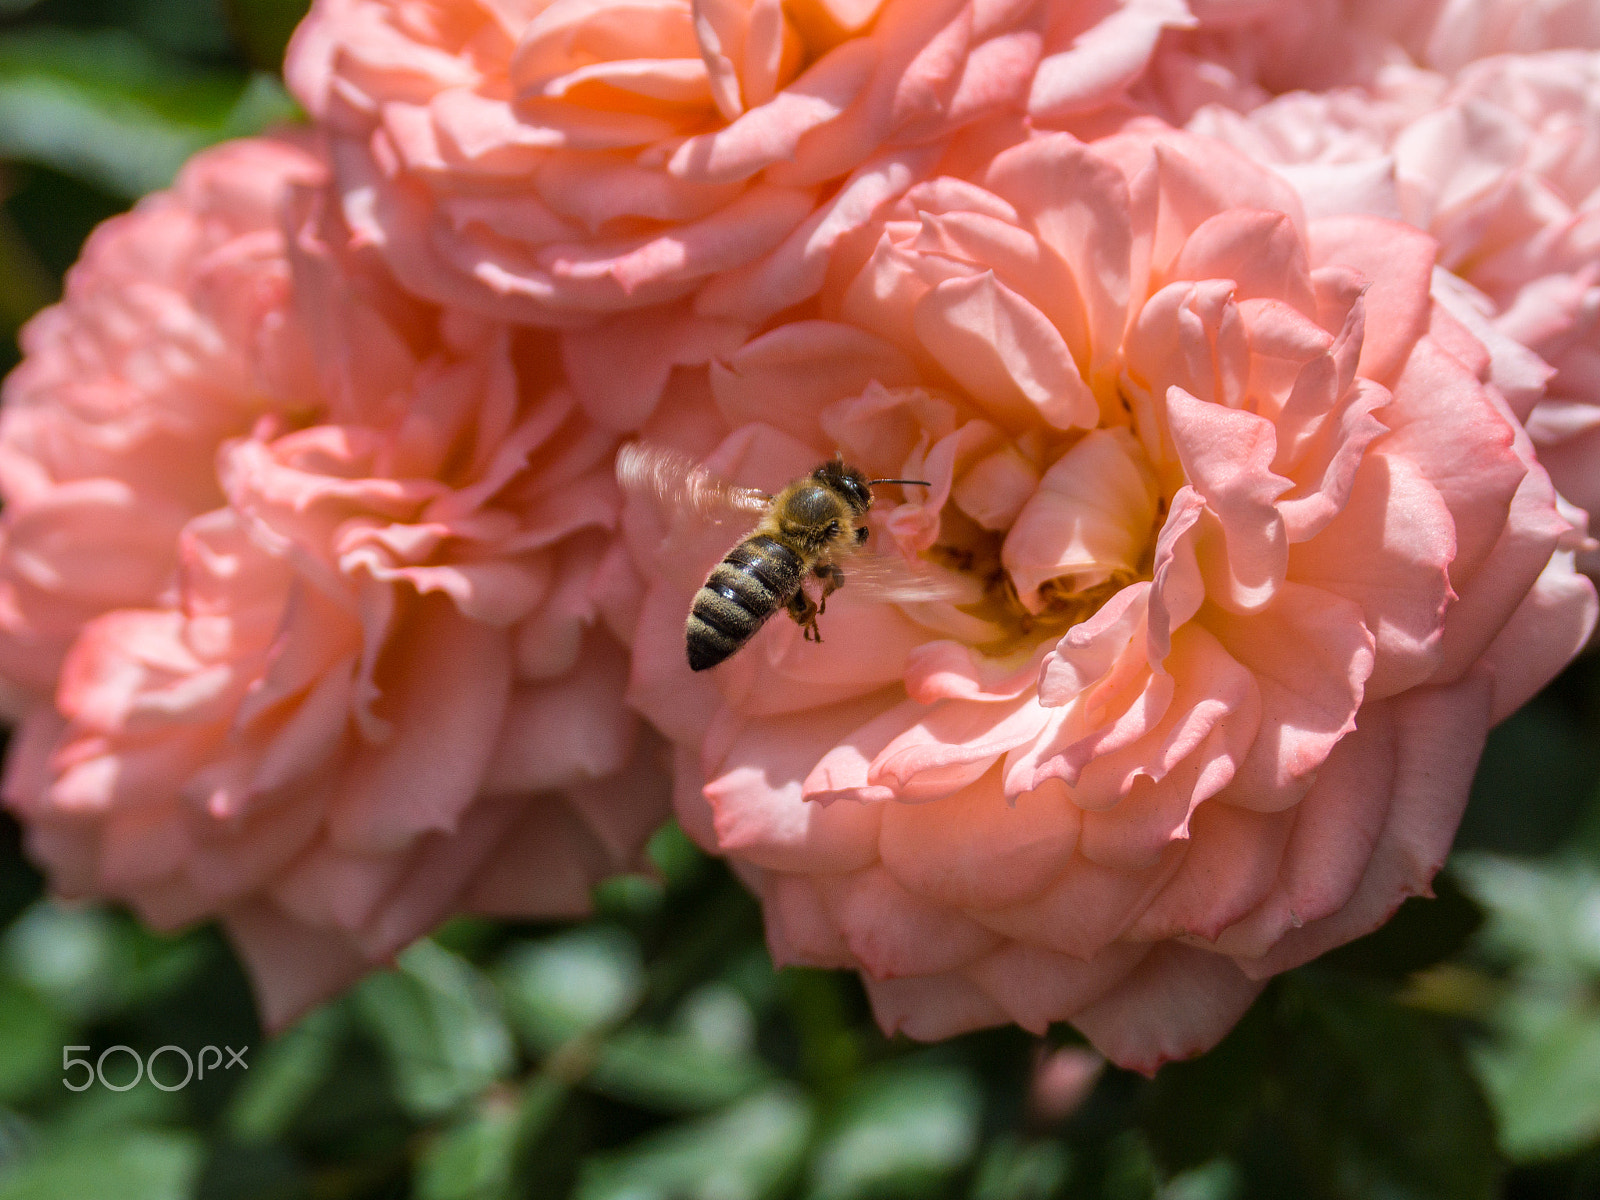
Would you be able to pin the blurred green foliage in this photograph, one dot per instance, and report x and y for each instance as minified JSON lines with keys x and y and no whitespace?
{"x":652,"y":1053}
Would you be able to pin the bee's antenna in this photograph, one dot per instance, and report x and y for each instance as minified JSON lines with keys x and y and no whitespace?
{"x":919,"y":482}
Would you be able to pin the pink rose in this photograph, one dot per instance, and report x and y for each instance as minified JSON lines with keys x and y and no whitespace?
{"x":370,"y":688}
{"x":1254,"y":554}
{"x":109,"y":430}
{"x":1463,"y":30}
{"x":1242,"y":52}
{"x":549,"y":160}
{"x":1503,"y":170}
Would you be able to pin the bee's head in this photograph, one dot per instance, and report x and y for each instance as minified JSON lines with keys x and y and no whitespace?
{"x":847,"y":482}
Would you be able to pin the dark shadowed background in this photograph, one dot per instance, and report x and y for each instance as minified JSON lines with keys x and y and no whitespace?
{"x":652,"y":1053}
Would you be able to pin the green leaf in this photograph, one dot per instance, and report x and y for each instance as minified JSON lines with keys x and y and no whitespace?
{"x":748,"y":1152}
{"x":571,"y":984}
{"x":18,"y":1139}
{"x":254,"y":1172}
{"x":899,"y":1132}
{"x":74,"y":958}
{"x":672,"y":1072}
{"x":284,"y":1076}
{"x":1364,"y":1068}
{"x":1203,"y":1108}
{"x":473,"y":1158}
{"x":440,"y":1026}
{"x":703,"y":1063}
{"x":1543,"y":1075}
{"x":1014,"y":1169}
{"x":1219,"y":1179}
{"x":672,"y":853}
{"x":126,"y":1164}
{"x":1545,"y":917}
{"x":629,"y":896}
{"x":1542,"y":1067}
{"x":102,"y":1113}
{"x":1335,"y":1092}
{"x":105,"y":107}
{"x":31,"y":1037}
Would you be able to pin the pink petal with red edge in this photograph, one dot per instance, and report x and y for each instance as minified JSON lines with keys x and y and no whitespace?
{"x":1038,"y":988}
{"x":293,"y":967}
{"x":894,"y":934}
{"x":1087,"y":909}
{"x":1551,"y":625}
{"x":799,"y":930}
{"x":1177,"y":1003}
{"x":1233,"y":861}
{"x":1439,"y":735}
{"x":1336,"y":826}
{"x":931,"y":1008}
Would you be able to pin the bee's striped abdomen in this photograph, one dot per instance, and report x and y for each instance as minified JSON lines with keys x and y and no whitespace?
{"x":755,"y":580}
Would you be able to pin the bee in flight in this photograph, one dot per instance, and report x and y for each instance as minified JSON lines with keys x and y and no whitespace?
{"x":803,"y":536}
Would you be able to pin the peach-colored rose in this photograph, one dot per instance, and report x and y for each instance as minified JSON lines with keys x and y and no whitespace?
{"x":1503,"y":170}
{"x":1453,"y":33}
{"x":1242,"y":52}
{"x":548,"y":160}
{"x":174,"y":335}
{"x":1255,"y":554}
{"x":370,"y":688}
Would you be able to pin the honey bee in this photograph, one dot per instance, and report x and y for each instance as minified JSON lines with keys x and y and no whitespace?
{"x":802,"y":537}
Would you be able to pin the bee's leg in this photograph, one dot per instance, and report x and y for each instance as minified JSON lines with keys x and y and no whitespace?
{"x":832,"y":580}
{"x":803,"y":609}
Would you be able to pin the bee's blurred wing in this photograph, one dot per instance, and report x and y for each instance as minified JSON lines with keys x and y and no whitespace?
{"x":680,"y":485}
{"x":890,"y":578}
